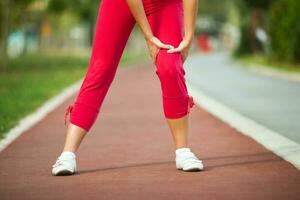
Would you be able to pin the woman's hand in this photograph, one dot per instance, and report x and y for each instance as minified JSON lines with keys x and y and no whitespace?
{"x":183,"y":48}
{"x":190,"y":8}
{"x":154,"y":44}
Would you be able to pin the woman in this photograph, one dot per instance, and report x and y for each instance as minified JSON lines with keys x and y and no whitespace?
{"x":168,"y":27}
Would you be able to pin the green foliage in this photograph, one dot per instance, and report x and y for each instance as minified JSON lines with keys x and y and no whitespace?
{"x":244,"y":47}
{"x":262,"y":4}
{"x":85,"y":9}
{"x":31,"y":80}
{"x":18,"y":10}
{"x":284,"y":30}
{"x":253,"y":15}
{"x":58,"y":6}
{"x":214,"y":8}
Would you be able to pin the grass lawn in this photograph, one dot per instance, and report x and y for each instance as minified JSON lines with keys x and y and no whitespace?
{"x":33,"y":79}
{"x":262,"y":61}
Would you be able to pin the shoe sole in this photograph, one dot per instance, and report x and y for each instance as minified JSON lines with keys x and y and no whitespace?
{"x":195,"y":169}
{"x":64,"y":173}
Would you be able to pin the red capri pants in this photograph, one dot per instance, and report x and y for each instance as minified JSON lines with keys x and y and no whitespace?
{"x":114,"y":25}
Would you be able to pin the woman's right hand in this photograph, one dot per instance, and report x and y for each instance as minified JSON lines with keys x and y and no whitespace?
{"x":154,"y":44}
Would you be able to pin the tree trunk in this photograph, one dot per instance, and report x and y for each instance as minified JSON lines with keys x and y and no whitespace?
{"x":91,"y":31}
{"x":24,"y":28}
{"x":6,"y":6}
{"x":255,"y":23}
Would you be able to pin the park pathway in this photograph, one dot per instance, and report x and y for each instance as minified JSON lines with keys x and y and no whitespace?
{"x":129,"y":155}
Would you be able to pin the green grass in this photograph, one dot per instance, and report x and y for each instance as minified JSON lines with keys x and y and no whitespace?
{"x":262,"y":61}
{"x":33,"y":79}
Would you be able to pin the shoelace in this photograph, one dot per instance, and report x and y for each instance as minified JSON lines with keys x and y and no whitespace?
{"x":190,"y":156}
{"x":68,"y":110}
{"x":59,"y":161}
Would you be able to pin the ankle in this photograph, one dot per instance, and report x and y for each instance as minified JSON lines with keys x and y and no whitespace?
{"x":68,"y":154}
{"x":182,"y":150}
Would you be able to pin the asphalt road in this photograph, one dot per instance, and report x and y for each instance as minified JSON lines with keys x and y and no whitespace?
{"x":272,"y":102}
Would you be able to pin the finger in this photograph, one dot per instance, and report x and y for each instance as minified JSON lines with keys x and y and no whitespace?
{"x":178,"y":49}
{"x":165,"y":46}
{"x":159,"y":44}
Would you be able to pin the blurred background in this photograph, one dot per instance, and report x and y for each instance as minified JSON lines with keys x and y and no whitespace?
{"x":45,"y":44}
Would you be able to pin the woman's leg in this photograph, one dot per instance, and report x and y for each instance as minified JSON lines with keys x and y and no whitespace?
{"x":112,"y":32}
{"x":167,"y":24}
{"x":73,"y":138}
{"x":179,"y":130}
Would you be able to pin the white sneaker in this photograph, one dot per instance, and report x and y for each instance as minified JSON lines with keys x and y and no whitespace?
{"x":65,"y":164}
{"x":186,"y":160}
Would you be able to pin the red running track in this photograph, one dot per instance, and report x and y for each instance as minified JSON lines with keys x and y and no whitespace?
{"x":129,"y":154}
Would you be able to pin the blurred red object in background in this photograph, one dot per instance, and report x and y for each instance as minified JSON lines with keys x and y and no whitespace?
{"x":203,"y":42}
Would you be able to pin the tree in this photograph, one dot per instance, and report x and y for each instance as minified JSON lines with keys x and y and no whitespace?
{"x":284,"y":30}
{"x":219,"y":11}
{"x":5,"y":18}
{"x":253,"y":14}
{"x":85,"y":9}
{"x":11,"y":13}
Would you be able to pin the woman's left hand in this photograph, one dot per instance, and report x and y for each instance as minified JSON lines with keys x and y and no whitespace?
{"x":183,"y":48}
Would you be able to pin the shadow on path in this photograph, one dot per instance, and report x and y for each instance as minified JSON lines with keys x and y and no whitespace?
{"x":220,"y":161}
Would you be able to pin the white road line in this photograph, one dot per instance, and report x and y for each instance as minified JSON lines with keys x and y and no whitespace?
{"x":278,"y":144}
{"x":32,"y":119}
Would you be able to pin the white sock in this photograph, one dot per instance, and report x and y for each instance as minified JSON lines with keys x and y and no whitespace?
{"x":181,"y":150}
{"x":68,"y":154}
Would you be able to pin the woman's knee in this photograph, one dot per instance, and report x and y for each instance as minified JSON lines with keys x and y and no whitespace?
{"x":169,"y":65}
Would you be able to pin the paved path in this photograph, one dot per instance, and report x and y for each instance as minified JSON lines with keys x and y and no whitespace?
{"x":272,"y":102}
{"x":129,"y":154}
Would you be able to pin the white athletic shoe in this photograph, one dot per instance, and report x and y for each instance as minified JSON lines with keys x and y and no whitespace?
{"x":186,"y":160}
{"x":65,"y":164}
